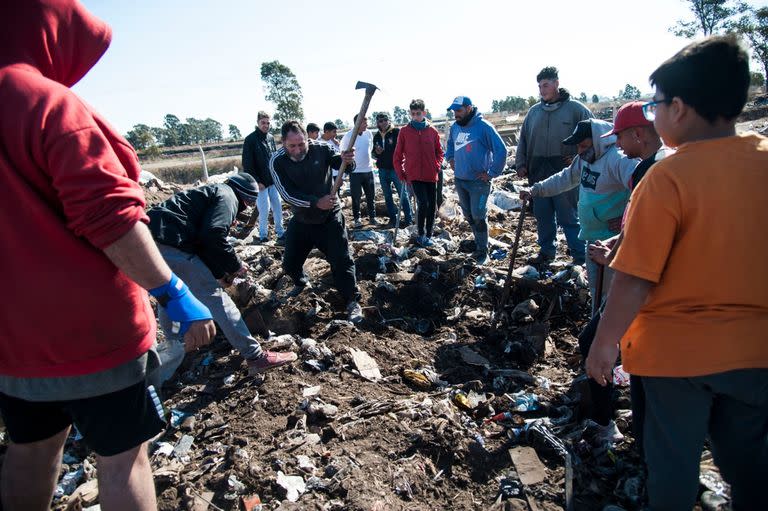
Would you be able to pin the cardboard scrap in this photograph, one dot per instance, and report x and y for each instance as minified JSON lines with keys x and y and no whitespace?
{"x":366,"y":365}
{"x":529,"y":467}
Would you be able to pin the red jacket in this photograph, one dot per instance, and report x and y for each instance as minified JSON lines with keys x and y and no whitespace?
{"x":69,"y":189}
{"x":418,"y":154}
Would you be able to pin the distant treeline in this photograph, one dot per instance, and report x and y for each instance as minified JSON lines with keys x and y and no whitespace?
{"x":177,"y":133}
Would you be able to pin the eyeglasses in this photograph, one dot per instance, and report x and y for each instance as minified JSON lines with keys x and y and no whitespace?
{"x":649,"y":109}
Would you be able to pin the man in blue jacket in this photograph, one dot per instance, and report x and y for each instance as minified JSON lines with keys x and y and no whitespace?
{"x":476,"y":154}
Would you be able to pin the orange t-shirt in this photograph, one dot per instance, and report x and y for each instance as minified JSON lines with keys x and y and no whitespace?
{"x":698,"y":228}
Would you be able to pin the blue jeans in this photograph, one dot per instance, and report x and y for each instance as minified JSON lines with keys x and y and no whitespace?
{"x":473,"y":199}
{"x":387,"y":178}
{"x":564,"y":207}
{"x":193,"y":271}
{"x":269,"y":198}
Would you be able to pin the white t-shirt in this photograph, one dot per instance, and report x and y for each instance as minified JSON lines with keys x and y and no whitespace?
{"x":363,"y":148}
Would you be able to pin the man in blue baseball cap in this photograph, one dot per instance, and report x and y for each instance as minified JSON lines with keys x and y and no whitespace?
{"x":476,"y":153}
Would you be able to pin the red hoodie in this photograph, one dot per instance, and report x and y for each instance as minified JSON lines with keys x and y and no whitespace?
{"x":68,"y":189}
{"x":422,"y":153}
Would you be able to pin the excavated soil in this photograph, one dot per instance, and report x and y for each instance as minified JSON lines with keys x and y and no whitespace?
{"x":358,"y":442}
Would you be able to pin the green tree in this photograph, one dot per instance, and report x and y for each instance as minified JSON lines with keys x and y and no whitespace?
{"x":629,"y":93}
{"x":140,"y":137}
{"x":583,"y":97}
{"x":709,"y":17}
{"x":532,"y":101}
{"x":173,"y":131}
{"x":400,"y":115}
{"x":509,"y":104}
{"x":211,"y":130}
{"x":283,"y":90}
{"x":756,"y":79}
{"x":234,"y":133}
{"x":341,"y":125}
{"x":595,"y":98}
{"x":754,"y":26}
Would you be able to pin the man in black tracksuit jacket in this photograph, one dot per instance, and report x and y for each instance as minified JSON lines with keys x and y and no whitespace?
{"x":191,"y":230}
{"x":302,"y":173}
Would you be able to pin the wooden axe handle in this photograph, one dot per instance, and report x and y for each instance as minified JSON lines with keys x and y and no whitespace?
{"x":353,"y":138}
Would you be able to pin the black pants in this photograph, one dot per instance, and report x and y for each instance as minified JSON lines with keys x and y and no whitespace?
{"x":426,"y":197}
{"x":601,"y":396}
{"x":358,"y":183}
{"x":331,"y":239}
{"x":439,"y":188}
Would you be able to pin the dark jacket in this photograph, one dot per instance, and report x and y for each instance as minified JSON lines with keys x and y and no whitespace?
{"x":198,"y":221}
{"x":258,"y":148}
{"x":384,"y":160}
{"x":302,"y":183}
{"x":540,"y":147}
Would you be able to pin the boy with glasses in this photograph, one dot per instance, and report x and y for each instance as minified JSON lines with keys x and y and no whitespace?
{"x":700,"y":345}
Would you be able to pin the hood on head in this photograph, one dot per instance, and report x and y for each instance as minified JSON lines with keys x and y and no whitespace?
{"x":59,"y":38}
{"x":600,"y":128}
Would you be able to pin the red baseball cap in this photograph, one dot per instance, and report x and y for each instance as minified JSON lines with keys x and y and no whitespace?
{"x":630,"y":115}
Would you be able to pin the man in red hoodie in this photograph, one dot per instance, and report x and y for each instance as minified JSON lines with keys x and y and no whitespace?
{"x":77,"y":336}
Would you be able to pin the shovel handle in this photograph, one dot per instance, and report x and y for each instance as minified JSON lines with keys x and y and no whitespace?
{"x":353,"y":138}
{"x":513,"y":256}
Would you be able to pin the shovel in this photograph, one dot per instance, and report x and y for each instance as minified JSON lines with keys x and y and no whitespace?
{"x":512,"y":257}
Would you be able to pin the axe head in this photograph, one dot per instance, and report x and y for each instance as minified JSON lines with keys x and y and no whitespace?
{"x":369,"y":87}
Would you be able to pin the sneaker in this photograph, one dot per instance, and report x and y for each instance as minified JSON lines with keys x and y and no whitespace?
{"x":297,"y":289}
{"x":358,"y":224}
{"x":420,"y":239}
{"x":601,"y":435}
{"x":280,"y":241}
{"x":269,"y":360}
{"x":480,"y":257}
{"x":355,"y":312}
{"x":541,"y":258}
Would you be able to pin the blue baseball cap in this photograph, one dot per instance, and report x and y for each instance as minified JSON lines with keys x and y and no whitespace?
{"x":460,"y":101}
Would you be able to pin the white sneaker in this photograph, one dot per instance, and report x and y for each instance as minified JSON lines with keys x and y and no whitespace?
{"x":609,"y":433}
{"x":355,"y":312}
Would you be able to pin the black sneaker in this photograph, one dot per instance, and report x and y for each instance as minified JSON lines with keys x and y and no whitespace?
{"x":280,"y":241}
{"x":297,"y":289}
{"x":541,"y":259}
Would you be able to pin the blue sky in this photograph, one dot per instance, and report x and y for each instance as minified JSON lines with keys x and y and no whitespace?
{"x":202,"y":59}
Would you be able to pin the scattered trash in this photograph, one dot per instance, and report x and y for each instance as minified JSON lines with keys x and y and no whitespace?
{"x":366,"y":366}
{"x":526,"y":272}
{"x":235,"y":485}
{"x":471,"y":357}
{"x":620,"y":377}
{"x":505,"y":200}
{"x":294,"y":486}
{"x":524,"y":402}
{"x":183,"y":446}
{"x":69,"y":482}
{"x":524,"y":311}
{"x":497,"y":254}
{"x":529,"y":467}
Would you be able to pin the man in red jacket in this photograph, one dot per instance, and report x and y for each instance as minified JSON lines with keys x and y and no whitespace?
{"x":417,"y":160}
{"x":77,"y":338}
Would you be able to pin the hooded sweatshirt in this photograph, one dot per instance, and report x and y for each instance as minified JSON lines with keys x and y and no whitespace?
{"x":475,"y":148}
{"x":418,"y":154}
{"x":605,"y":184}
{"x":540,"y":147}
{"x":69,"y":190}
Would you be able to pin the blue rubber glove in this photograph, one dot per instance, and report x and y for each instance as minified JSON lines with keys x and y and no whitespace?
{"x":180,"y":304}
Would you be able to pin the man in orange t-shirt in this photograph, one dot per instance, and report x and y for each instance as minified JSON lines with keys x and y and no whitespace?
{"x":689,"y":300}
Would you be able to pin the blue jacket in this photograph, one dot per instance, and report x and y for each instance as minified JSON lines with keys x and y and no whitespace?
{"x":474,"y":148}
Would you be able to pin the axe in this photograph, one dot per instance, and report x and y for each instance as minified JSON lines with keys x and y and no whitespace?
{"x":369,"y":90}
